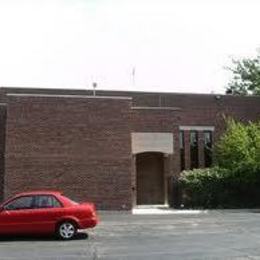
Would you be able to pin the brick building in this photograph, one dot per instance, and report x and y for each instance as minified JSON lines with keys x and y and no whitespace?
{"x":117,"y":149}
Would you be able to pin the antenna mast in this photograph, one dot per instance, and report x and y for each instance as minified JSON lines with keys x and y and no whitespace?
{"x":133,"y":76}
{"x":94,"y":85}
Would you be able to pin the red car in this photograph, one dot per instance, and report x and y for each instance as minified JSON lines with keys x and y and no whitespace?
{"x":45,"y":212}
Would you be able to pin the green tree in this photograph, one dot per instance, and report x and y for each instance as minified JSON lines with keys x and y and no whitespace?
{"x":239,"y":148}
{"x":246,"y":77}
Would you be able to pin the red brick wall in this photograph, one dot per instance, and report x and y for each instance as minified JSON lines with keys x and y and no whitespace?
{"x":83,"y":145}
{"x":78,"y":145}
{"x":198,"y":109}
{"x":194,"y":110}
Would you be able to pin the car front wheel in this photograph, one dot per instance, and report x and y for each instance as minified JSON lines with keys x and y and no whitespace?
{"x":66,"y":230}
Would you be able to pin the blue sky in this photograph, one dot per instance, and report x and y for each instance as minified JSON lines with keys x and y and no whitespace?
{"x":179,"y":46}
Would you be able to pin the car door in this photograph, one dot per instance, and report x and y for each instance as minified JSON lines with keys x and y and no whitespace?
{"x":46,"y":212}
{"x":16,"y":215}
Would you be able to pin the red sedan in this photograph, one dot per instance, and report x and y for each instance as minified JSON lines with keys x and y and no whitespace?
{"x":45,"y":212}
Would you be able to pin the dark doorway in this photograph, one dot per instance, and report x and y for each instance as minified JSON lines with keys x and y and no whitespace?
{"x":150,"y":178}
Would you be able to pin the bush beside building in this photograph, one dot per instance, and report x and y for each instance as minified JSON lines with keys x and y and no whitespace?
{"x":234,"y":181}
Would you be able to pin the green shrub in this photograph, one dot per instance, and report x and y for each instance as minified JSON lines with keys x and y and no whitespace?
{"x":200,"y":187}
{"x":218,"y":188}
{"x":235,"y":180}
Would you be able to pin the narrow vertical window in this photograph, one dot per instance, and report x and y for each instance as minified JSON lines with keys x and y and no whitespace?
{"x":208,"y":148}
{"x":194,"y":153}
{"x":182,"y":150}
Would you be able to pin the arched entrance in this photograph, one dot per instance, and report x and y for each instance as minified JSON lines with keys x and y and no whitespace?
{"x":150,"y":179}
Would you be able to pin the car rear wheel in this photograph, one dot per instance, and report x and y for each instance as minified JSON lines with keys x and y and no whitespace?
{"x":66,"y":230}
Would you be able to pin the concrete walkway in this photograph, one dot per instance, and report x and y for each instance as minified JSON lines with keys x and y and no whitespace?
{"x":164,"y":211}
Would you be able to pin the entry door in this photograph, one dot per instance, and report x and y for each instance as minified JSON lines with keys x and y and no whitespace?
{"x":150,"y":179}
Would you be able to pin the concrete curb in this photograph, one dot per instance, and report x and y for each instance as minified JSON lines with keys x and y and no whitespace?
{"x":170,"y":211}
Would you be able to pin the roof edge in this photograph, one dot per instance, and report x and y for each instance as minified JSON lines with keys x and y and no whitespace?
{"x":67,"y":96}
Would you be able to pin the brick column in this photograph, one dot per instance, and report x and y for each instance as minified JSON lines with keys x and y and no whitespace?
{"x":133,"y":180}
{"x":187,"y":149}
{"x":201,"y":149}
{"x":174,"y":193}
{"x":168,"y":176}
{"x":2,"y":150}
{"x":176,"y":162}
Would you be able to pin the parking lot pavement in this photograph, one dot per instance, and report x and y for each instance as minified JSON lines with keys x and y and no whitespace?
{"x":206,"y":235}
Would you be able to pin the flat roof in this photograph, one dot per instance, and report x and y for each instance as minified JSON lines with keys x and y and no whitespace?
{"x":67,"y":96}
{"x":105,"y":92}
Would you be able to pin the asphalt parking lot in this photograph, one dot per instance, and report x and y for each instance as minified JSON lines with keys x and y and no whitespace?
{"x":208,"y":235}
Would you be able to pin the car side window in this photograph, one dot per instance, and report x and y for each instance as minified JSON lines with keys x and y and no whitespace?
{"x":25,"y":202}
{"x":46,"y":201}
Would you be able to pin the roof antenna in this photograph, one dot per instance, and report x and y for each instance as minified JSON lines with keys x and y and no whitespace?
{"x":133,"y":76}
{"x":94,"y":85}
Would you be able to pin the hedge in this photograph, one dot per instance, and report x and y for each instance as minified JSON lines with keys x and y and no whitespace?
{"x":218,"y":188}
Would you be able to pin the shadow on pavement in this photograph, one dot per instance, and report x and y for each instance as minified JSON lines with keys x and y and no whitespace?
{"x":10,"y":238}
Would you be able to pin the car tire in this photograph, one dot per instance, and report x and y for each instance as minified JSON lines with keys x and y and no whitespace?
{"x":66,"y":230}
